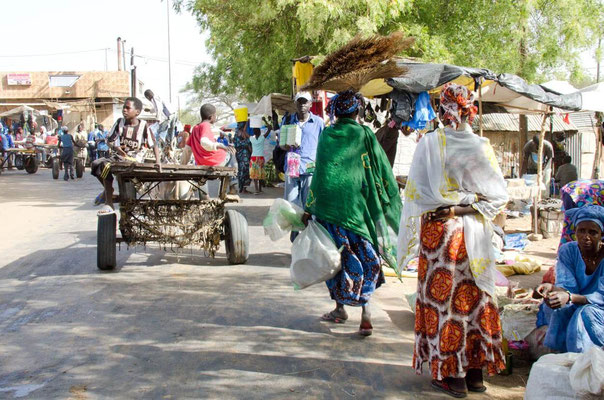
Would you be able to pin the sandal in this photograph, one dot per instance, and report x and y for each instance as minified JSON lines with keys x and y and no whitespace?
{"x":444,"y":387}
{"x":331,"y":317}
{"x":366,"y":329}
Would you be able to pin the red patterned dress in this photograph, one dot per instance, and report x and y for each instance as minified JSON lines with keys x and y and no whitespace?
{"x":457,"y":325}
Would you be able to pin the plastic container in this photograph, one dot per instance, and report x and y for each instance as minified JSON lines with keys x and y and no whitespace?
{"x":256,"y":121}
{"x":240,"y":114}
{"x":294,"y":136}
{"x":285,"y":129}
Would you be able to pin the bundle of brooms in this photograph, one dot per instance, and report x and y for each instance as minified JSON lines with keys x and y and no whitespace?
{"x":359,"y":62}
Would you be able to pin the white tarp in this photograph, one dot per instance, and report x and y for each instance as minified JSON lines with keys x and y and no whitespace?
{"x":593,"y":97}
{"x":18,"y":111}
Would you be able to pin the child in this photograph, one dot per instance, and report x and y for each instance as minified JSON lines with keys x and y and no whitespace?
{"x":127,"y":139}
{"x":257,"y":160}
{"x":66,"y":142}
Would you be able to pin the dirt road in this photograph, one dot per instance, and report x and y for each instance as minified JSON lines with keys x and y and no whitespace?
{"x":180,"y":325}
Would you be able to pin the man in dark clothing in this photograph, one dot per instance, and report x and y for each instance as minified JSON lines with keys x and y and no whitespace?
{"x":66,"y":143}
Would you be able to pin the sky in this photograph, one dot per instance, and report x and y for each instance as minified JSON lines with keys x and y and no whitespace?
{"x":34,"y":32}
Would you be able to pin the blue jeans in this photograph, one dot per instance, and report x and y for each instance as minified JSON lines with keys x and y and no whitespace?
{"x":296,"y":191}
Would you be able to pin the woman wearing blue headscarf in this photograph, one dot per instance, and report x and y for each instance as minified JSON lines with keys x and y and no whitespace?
{"x":354,"y":195}
{"x":574,"y":307}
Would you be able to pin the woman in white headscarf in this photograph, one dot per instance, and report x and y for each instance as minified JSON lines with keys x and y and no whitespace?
{"x":454,"y":190}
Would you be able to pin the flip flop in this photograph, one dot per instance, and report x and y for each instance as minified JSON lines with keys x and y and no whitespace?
{"x":330,"y":317}
{"x":477,"y":389}
{"x":366,"y":329}
{"x":444,"y":387}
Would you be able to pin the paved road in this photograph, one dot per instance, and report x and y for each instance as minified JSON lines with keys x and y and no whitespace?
{"x":171,"y":325}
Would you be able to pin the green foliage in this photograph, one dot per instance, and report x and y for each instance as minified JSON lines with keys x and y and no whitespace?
{"x":253,"y":41}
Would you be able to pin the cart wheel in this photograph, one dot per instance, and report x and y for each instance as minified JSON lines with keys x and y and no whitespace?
{"x":19,"y":162}
{"x":56,"y":167}
{"x":105,"y":241}
{"x":236,"y":239}
{"x":79,"y":167}
{"x":31,"y":165}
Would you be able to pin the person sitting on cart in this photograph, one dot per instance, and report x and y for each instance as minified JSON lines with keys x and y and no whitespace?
{"x":205,"y":148}
{"x":127,"y":139}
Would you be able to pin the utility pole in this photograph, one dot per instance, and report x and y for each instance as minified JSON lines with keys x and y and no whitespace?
{"x":132,"y":73}
{"x":169,"y":53}
{"x":124,"y":54}
{"x":106,"y":65}
{"x":598,"y":59}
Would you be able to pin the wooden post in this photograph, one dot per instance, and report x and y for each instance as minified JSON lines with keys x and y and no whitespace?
{"x":480,"y":108}
{"x":539,"y":173}
{"x":523,"y":128}
{"x":596,"y":167}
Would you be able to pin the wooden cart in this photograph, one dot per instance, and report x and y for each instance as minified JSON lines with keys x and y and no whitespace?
{"x":22,"y":159}
{"x":175,"y":223}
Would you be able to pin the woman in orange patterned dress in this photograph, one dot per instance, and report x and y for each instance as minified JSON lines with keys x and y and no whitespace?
{"x":455,"y":189}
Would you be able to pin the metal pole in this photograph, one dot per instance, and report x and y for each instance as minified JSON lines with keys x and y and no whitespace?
{"x":124,"y":54}
{"x":169,"y":53}
{"x":480,"y":108}
{"x":132,"y":73}
{"x":106,"y":66}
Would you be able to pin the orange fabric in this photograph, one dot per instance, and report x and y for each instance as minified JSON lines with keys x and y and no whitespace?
{"x":457,"y":326}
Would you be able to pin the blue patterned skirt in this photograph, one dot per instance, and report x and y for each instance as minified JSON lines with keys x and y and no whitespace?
{"x":361,"y":271}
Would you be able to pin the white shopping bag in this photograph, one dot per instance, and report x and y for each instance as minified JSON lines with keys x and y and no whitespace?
{"x":315,"y":257}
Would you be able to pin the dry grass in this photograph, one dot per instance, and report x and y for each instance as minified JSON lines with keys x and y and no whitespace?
{"x":358,"y":62}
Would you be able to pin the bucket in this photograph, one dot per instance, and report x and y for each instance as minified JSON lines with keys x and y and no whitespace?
{"x":241,"y":114}
{"x":256,"y":121}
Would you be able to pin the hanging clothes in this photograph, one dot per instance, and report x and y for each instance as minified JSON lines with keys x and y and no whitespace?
{"x":302,"y":72}
{"x":422,"y":114}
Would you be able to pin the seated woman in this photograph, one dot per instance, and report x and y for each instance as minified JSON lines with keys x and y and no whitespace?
{"x":573,"y":308}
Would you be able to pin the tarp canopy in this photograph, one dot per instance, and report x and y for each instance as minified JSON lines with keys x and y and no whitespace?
{"x":273,"y":101}
{"x":593,"y":97}
{"x":18,"y":111}
{"x":508,"y":90}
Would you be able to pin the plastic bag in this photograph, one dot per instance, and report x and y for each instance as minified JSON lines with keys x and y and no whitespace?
{"x":315,"y":257}
{"x":549,"y":378}
{"x":587,"y":373}
{"x":282,"y":217}
{"x":293,"y":165}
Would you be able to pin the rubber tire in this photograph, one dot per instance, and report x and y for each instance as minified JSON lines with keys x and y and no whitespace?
{"x":31,"y":165}
{"x":236,"y":237}
{"x":105,"y":242}
{"x":79,"y":168}
{"x":19,"y":163}
{"x":56,"y":167}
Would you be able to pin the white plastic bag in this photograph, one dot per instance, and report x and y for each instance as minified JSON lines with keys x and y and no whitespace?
{"x":315,"y":257}
{"x":587,"y":373}
{"x":283,"y":217}
{"x":549,"y":378}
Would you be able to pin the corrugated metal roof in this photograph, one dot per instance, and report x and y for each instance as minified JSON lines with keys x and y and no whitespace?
{"x":584,"y":120}
{"x":507,"y":122}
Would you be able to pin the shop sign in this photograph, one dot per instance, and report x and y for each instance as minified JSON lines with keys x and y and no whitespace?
{"x":18,"y":79}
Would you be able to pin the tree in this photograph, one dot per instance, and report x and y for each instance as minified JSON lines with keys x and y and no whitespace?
{"x":253,"y":41}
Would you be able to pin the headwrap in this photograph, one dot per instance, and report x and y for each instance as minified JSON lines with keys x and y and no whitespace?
{"x":592,"y":213}
{"x":188,"y":128}
{"x":345,"y":102}
{"x":456,"y":101}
